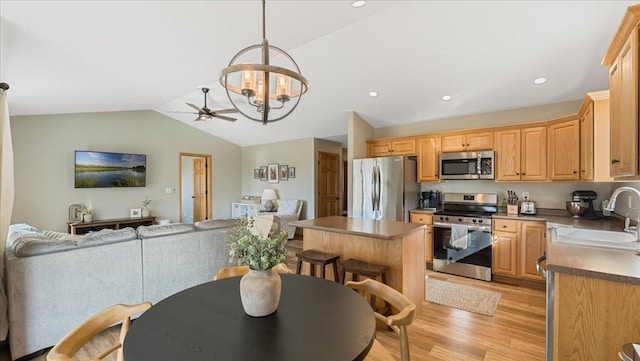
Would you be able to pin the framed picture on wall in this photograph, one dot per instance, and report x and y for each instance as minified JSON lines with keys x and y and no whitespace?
{"x":272,"y":173}
{"x":256,"y":173}
{"x":284,"y":172}
{"x":263,"y":173}
{"x":292,"y":172}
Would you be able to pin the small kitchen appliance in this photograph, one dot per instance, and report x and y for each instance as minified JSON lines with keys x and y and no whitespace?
{"x":429,"y":200}
{"x":528,"y":207}
{"x":588,"y":197}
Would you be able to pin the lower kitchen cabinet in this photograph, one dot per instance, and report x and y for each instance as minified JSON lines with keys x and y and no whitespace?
{"x":426,"y":219}
{"x":592,"y":317}
{"x":516,"y":247}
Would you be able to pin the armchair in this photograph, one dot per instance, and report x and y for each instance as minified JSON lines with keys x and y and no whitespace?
{"x":289,"y":210}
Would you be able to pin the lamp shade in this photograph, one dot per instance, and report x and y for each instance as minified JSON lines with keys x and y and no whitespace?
{"x":269,"y":194}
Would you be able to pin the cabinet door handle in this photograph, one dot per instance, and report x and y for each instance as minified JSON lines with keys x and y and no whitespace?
{"x":614,"y":161}
{"x":575,"y":172}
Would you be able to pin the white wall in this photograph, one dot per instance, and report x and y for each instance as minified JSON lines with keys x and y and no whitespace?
{"x":44,"y":155}
{"x":295,"y":153}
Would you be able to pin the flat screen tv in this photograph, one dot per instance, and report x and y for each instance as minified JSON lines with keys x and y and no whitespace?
{"x":102,"y":169}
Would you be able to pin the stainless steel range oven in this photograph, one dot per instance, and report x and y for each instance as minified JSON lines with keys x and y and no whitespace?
{"x":462,"y":234}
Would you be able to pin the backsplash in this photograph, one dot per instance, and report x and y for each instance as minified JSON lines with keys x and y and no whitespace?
{"x":546,"y":195}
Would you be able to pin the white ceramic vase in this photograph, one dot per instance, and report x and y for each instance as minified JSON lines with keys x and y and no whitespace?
{"x":87,"y":217}
{"x":260,"y":292}
{"x":145,"y":212}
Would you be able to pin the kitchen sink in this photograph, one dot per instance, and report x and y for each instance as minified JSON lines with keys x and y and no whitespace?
{"x":595,"y":238}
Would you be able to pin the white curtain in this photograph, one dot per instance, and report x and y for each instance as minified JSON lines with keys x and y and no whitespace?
{"x":6,"y":201}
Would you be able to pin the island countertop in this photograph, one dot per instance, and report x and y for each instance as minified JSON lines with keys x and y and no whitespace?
{"x":361,"y":227}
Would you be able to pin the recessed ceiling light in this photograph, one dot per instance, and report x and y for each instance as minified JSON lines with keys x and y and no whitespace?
{"x":358,"y":3}
{"x":540,"y":81}
{"x":373,"y":94}
{"x":446,"y":98}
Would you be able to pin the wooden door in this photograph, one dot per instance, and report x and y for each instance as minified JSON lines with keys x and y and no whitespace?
{"x":454,"y":143}
{"x":328,"y":190}
{"x":614,"y":119}
{"x":480,"y":141}
{"x":426,"y":219}
{"x":624,"y":131}
{"x":507,"y":155}
{"x":504,"y":253}
{"x":200,"y":174}
{"x":533,"y":156}
{"x":379,"y":149}
{"x":532,"y":242}
{"x":564,"y":150}
{"x":586,"y":143}
{"x":429,"y":159}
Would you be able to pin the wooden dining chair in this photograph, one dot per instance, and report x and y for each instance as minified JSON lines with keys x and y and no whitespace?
{"x":226,"y":272}
{"x":66,"y":348}
{"x":402,"y":312}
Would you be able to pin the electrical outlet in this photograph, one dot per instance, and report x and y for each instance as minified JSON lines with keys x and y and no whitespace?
{"x":168,"y":190}
{"x":525,"y":196}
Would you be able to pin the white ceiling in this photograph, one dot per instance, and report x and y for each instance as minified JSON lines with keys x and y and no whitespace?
{"x":97,"y":56}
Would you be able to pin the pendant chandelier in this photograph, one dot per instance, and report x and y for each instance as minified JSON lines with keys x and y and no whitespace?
{"x":263,"y":82}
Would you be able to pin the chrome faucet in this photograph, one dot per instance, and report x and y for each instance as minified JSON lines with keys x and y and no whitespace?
{"x":612,"y":205}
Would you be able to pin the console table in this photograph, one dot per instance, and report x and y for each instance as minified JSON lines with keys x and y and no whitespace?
{"x":117,"y":223}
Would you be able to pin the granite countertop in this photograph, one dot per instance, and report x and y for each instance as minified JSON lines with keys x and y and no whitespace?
{"x":361,"y":227}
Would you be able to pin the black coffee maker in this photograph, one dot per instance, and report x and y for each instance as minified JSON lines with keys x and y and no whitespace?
{"x":588,"y":197}
{"x":429,"y":199}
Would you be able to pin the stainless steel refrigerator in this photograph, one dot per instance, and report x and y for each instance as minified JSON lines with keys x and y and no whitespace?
{"x":384,"y":188}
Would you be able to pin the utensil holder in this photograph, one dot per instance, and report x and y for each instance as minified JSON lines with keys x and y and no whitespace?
{"x":512,"y":209}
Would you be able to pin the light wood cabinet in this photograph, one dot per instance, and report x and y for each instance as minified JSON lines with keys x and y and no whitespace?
{"x":426,"y":219}
{"x":564,"y":150}
{"x":428,"y":159}
{"x":592,"y":317}
{"x":622,"y":60}
{"x":516,"y":247}
{"x":467,"y":142}
{"x":521,"y":154}
{"x":389,"y":147}
{"x":594,"y":137}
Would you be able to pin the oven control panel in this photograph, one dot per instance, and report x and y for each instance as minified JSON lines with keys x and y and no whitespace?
{"x":463,"y":220}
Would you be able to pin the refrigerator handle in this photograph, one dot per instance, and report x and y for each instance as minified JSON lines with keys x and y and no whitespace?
{"x":378,"y":190}
{"x":373,"y":188}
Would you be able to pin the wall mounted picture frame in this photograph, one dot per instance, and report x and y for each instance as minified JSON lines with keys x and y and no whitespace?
{"x":284,"y":172}
{"x":263,"y":173}
{"x":135,"y":213}
{"x":272,"y":173}
{"x":256,"y":173}
{"x":291,"y":172}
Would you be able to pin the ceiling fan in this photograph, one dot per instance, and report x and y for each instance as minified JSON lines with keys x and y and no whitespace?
{"x":205,"y":113}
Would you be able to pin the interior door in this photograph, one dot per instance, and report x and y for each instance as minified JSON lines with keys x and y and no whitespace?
{"x":328,"y":187}
{"x":199,"y":189}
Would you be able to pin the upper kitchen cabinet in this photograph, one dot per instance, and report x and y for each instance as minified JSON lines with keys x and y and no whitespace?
{"x":564,"y":149}
{"x":594,"y":137}
{"x":428,"y":159}
{"x":622,"y":60}
{"x":521,"y":154}
{"x":467,"y":142}
{"x":388,"y":147}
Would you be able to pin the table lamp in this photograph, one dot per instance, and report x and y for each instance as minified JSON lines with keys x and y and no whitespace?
{"x":269,"y":194}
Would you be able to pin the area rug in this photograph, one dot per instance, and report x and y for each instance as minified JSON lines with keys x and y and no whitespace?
{"x":462,"y":297}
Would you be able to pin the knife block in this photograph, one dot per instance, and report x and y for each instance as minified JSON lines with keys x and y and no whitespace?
{"x":512,"y":209}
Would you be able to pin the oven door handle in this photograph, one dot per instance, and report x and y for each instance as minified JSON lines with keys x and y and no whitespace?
{"x":471,"y":228}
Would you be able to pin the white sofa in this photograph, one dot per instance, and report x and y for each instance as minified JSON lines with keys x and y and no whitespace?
{"x":56,"y":280}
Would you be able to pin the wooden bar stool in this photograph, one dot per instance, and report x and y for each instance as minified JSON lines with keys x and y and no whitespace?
{"x":359,"y":268}
{"x":318,"y":258}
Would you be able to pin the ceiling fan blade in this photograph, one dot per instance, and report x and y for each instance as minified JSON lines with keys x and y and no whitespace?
{"x":225,"y":118}
{"x":195,"y":107}
{"x":226,"y":111}
{"x":179,"y":112}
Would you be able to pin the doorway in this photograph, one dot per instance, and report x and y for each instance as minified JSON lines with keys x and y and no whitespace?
{"x":328,"y":202}
{"x":195,"y":187}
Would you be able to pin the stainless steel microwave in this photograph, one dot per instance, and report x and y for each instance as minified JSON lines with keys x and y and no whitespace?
{"x":467,"y":165}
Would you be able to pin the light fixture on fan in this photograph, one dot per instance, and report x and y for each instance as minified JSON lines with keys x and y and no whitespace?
{"x":273,"y":90}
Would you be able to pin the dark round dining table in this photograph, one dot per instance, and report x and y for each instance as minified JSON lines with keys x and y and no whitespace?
{"x":316,"y":319}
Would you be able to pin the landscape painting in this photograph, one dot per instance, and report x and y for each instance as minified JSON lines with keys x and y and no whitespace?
{"x":102,"y":169}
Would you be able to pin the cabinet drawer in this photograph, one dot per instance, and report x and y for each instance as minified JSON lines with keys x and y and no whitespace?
{"x":421,"y":218}
{"x":505,"y":225}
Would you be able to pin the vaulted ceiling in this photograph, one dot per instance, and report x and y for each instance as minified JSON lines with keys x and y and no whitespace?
{"x":100,"y":56}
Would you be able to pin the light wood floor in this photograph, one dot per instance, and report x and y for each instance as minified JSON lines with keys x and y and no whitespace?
{"x":439,"y":333}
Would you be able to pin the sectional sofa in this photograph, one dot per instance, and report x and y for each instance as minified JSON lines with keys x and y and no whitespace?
{"x":56,"y":280}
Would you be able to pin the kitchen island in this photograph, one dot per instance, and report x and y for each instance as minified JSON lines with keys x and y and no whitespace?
{"x":398,"y":245}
